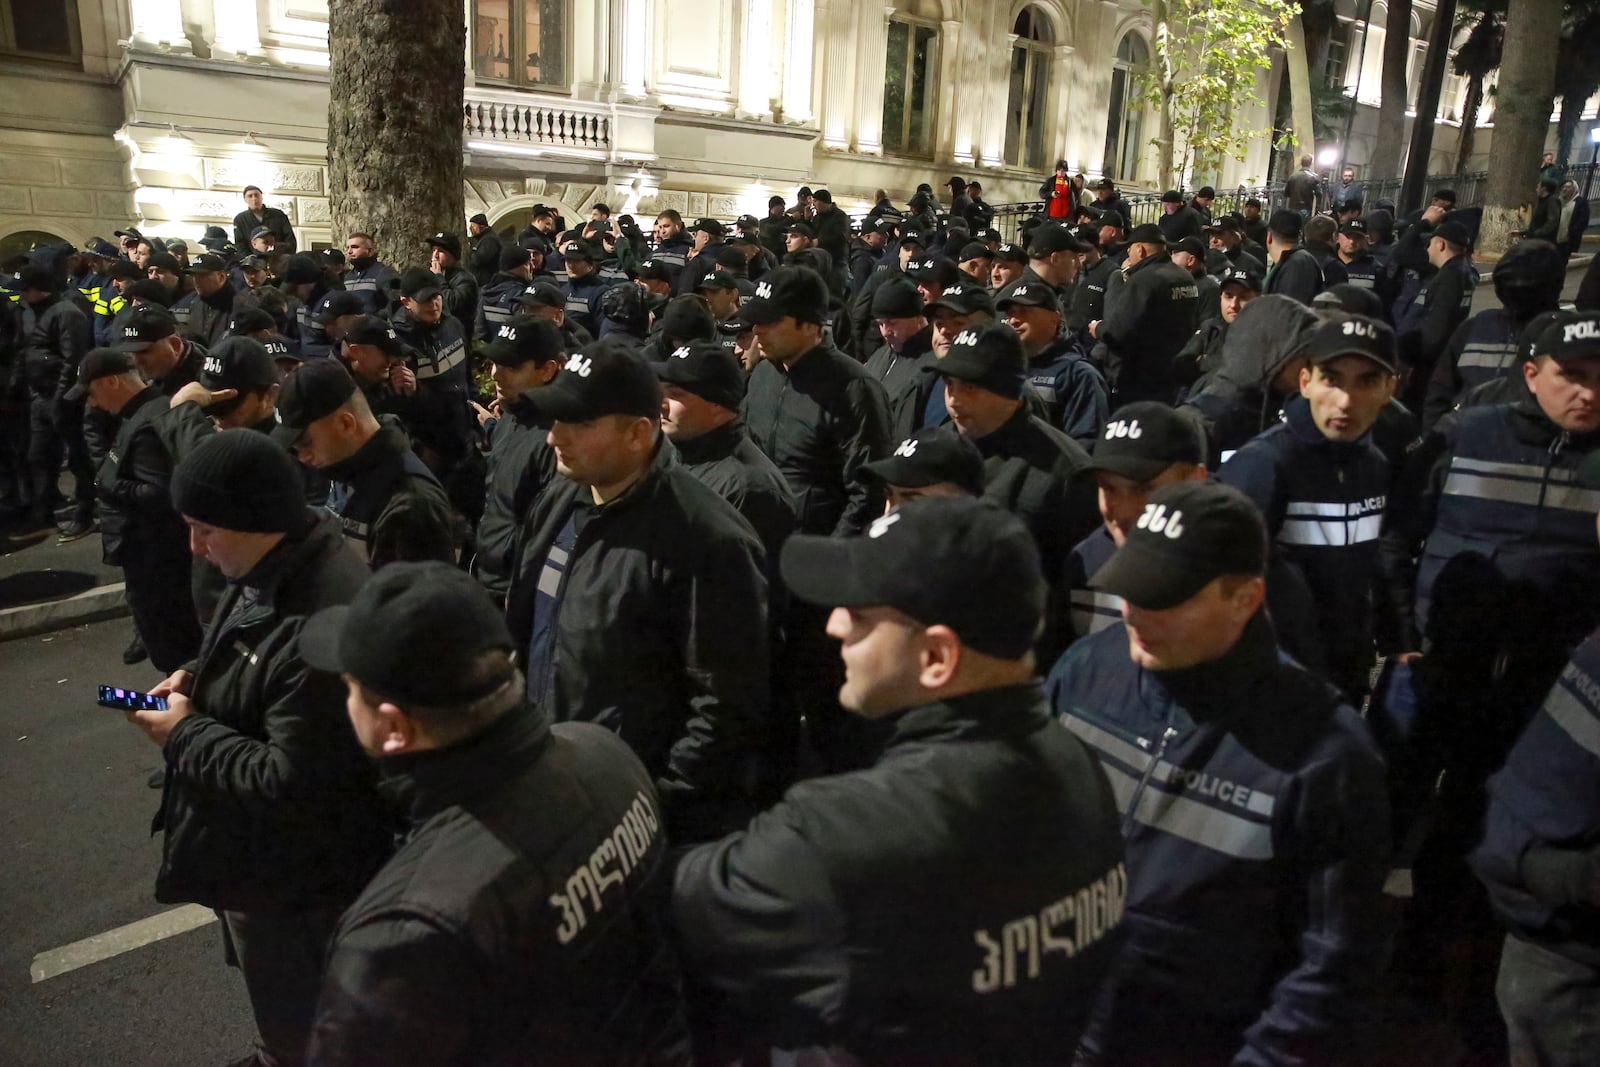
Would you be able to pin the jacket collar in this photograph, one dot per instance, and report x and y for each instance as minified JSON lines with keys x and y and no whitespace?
{"x":1014,"y":709}
{"x":285,"y":558}
{"x":1219,"y":688}
{"x":390,"y":440}
{"x":425,"y":783}
{"x":711,"y":445}
{"x":1532,"y":426}
{"x":1297,"y":413}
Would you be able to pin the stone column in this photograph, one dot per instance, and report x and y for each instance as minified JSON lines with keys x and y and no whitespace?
{"x":237,"y":30}
{"x":835,"y":17}
{"x":1058,"y":103}
{"x":954,"y":137}
{"x":633,"y":32}
{"x":756,"y":61}
{"x":797,"y":62}
{"x":992,"y":150}
{"x":870,"y":86}
{"x":160,"y":22}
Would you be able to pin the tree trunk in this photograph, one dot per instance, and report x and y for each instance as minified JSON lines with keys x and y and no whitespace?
{"x":1390,"y":149}
{"x":1167,"y":149}
{"x":396,"y":75}
{"x":1300,"y":91}
{"x":1567,"y":125}
{"x":1521,"y":117}
{"x":1469,"y":122}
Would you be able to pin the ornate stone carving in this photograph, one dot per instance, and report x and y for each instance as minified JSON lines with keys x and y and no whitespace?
{"x":314,"y":211}
{"x":672,"y":198}
{"x":279,"y":178}
{"x":722,"y":207}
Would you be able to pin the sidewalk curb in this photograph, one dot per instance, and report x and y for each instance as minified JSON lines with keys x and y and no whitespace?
{"x":91,"y":605}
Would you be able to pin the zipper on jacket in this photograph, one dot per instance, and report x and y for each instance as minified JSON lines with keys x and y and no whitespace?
{"x":1144,"y":779}
{"x":772,"y":434}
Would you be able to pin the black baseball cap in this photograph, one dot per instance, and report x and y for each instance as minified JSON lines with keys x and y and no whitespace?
{"x":338,"y":303}
{"x":302,"y":270}
{"x":1190,"y":534}
{"x":250,"y":319}
{"x":1286,"y":223}
{"x":1190,"y":245}
{"x":964,"y":299}
{"x":603,"y":378}
{"x":420,"y":283}
{"x":945,"y":561}
{"x":931,"y":455}
{"x":1576,"y":335}
{"x":804,"y":229}
{"x":447,"y":241}
{"x":577,"y":250}
{"x":707,"y":370}
{"x":402,"y":608}
{"x":989,"y":356}
{"x":1353,"y":227}
{"x":164,"y":261}
{"x":935,"y":270}
{"x":129,"y":232}
{"x":711,"y":226}
{"x":974,"y":250}
{"x":253,"y":262}
{"x":262,"y":231}
{"x":1172,"y":196}
{"x":1011,"y":253}
{"x":241,"y":363}
{"x":145,"y":325}
{"x":207,"y":262}
{"x":1028,"y":292}
{"x":1339,"y":334}
{"x":545,"y":294}
{"x":1147,"y":234}
{"x":526,"y":339}
{"x":99,"y":363}
{"x":718,"y":279}
{"x":1145,"y":438}
{"x":375,"y":331}
{"x":318,"y":389}
{"x":99,"y":246}
{"x":278,"y":347}
{"x":333,"y":256}
{"x":1240,"y":276}
{"x":651,"y":270}
{"x":1053,"y":237}
{"x":1451,"y":231}
{"x":796,"y":292}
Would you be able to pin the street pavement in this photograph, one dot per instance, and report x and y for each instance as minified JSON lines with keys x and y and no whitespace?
{"x":79,"y":862}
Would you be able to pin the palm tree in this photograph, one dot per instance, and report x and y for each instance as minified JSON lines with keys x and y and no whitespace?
{"x":1577,"y":69}
{"x":1475,"y":60}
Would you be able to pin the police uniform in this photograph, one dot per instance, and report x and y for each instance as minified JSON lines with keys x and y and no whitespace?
{"x":1071,"y":390}
{"x":1146,"y":326}
{"x":1003,"y":824}
{"x":373,"y":282}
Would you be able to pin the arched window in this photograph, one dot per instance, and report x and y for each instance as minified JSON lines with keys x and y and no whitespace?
{"x":523,"y":42}
{"x":1124,"y":118}
{"x":1030,"y":89}
{"x":910,"y":73}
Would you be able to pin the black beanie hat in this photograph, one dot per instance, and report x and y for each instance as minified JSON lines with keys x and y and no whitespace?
{"x":240,"y":480}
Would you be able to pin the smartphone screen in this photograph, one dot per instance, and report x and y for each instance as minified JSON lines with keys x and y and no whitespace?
{"x":130,"y":699}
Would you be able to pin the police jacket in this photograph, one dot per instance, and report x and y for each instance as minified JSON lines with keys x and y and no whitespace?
{"x":1480,"y":350}
{"x":522,"y":921}
{"x":1184,"y":222}
{"x":583,"y":300}
{"x":1145,"y":327}
{"x":55,"y":335}
{"x":731,"y":465}
{"x":374,"y":283}
{"x":862,"y":326}
{"x":1323,"y":503}
{"x":1072,"y":390}
{"x":438,"y":417}
{"x":497,"y":304}
{"x":956,"y":903}
{"x":1297,"y":274}
{"x":1547,"y":799}
{"x":1200,"y":356}
{"x":306,"y":330}
{"x":905,"y":385}
{"x":1257,"y":832}
{"x":833,"y":234}
{"x":388,"y":503}
{"x":1364,"y":272}
{"x":485,"y":257}
{"x":819,"y":419}
{"x":137,"y":524}
{"x":674,"y":254}
{"x":269,"y":801}
{"x":521,"y":464}
{"x":210,"y":316}
{"x":245,"y":222}
{"x":1494,"y":486}
{"x":696,"y":268}
{"x":1238,"y":400}
{"x":461,"y":298}
{"x":1444,"y":302}
{"x":1333,"y":270}
{"x":1249,"y":256}
{"x":1088,"y":298}
{"x":660,"y":632}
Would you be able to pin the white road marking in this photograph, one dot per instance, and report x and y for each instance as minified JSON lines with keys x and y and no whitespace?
{"x":59,"y":961}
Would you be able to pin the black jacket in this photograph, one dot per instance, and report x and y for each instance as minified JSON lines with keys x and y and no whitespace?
{"x":727,"y":461}
{"x":833,"y":235}
{"x":498,"y":303}
{"x":269,"y":801}
{"x":210,"y":316}
{"x":522,"y":920}
{"x":1146,"y":327}
{"x":437,"y":415}
{"x":660,"y":634}
{"x":55,"y":336}
{"x":819,"y":420}
{"x":134,"y":486}
{"x":1297,"y":274}
{"x":461,"y":298}
{"x":375,"y":283}
{"x":956,"y":903}
{"x":273,"y":219}
{"x":1184,"y":222}
{"x":521,"y":464}
{"x":905,"y":384}
{"x":484,"y":260}
{"x":388,"y":503}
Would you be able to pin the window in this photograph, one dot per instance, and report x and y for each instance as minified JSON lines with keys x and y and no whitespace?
{"x":44,"y":29}
{"x":1344,"y":52}
{"x":908,"y":88}
{"x":1450,"y":95}
{"x":523,"y":42}
{"x":1031,"y":57}
{"x":1124,"y":118}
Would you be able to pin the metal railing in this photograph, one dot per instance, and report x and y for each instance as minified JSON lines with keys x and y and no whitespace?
{"x":517,"y":118}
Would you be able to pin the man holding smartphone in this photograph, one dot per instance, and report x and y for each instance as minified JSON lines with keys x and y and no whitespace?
{"x":269,"y":811}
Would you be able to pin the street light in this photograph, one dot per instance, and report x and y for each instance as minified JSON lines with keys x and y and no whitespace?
{"x":1594,"y":157}
{"x":1328,"y":156}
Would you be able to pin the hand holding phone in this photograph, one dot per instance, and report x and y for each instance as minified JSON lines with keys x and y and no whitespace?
{"x":130,"y":699}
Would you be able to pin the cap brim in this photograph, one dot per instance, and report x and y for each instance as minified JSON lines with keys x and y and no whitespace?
{"x":427,"y":293}
{"x":319,"y":639}
{"x":1134,"y":468}
{"x":824,"y":571}
{"x":1148,"y":580}
{"x":287,"y":435}
{"x":757,"y":311}
{"x":1328,"y":357}
{"x":560,"y":402}
{"x":898,"y":470}
{"x":77,"y":392}
{"x":132,"y":348}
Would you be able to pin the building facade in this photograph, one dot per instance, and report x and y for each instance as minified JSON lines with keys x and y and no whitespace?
{"x":158,"y":112}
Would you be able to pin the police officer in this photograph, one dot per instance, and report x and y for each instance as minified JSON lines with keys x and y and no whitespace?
{"x":897,"y":364}
{"x":441,"y":420}
{"x":673,"y":247}
{"x":1252,"y":802}
{"x":269,"y":811}
{"x":386,"y":499}
{"x":1257,"y":372}
{"x":1292,"y":270}
{"x":910,"y":248}
{"x":139,"y":531}
{"x":627,"y":536}
{"x":500,"y":294}
{"x":702,"y":387}
{"x":1425,"y":326}
{"x":1202,"y":355}
{"x":486,"y":249}
{"x":1361,"y":267}
{"x":929,"y":463}
{"x":1071,"y":390}
{"x":459,"y":288}
{"x":1178,"y":220}
{"x":1318,"y":238}
{"x":1055,"y":258}
{"x":367,"y":277}
{"x":54,"y":338}
{"x":584,"y":286}
{"x":998,"y":820}
{"x":1321,"y":484}
{"x":1528,"y":281}
{"x":1030,"y":467}
{"x":1010,"y":263}
{"x":702,"y":259}
{"x":214,"y":298}
{"x":1148,"y":320}
{"x":524,"y":909}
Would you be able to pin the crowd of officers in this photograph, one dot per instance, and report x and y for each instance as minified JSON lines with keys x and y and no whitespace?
{"x":883,"y":644}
